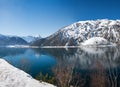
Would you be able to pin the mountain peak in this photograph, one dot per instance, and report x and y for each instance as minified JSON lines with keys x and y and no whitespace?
{"x":31,"y":38}
{"x":81,"y":31}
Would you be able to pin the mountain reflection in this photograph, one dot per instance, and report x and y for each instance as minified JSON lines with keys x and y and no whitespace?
{"x":85,"y":58}
{"x":10,"y":51}
{"x":86,"y":67}
{"x":70,"y":67}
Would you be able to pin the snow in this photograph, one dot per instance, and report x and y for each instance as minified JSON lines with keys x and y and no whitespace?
{"x":13,"y":77}
{"x":21,"y":46}
{"x":84,"y":30}
{"x":18,"y":46}
{"x":81,"y":31}
{"x":95,"y":41}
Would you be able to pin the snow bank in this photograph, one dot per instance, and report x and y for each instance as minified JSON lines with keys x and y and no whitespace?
{"x":96,"y":41}
{"x":13,"y":77}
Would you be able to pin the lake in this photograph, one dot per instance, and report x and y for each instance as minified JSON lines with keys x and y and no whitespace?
{"x":68,"y":67}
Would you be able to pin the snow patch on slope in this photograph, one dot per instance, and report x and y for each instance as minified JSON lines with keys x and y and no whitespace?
{"x":95,"y":41}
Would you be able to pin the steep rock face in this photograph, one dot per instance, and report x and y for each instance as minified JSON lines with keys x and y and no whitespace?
{"x":11,"y":40}
{"x":81,"y":31}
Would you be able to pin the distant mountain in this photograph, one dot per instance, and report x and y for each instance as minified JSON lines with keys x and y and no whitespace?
{"x":79,"y":32}
{"x":31,"y":39}
{"x":11,"y":40}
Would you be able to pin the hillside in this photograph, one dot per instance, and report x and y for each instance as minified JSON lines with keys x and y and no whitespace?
{"x":11,"y":40}
{"x":76,"y":33}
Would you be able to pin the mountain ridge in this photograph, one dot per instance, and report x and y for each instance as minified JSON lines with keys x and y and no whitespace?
{"x":31,"y":39}
{"x":78,"y":32}
{"x":11,"y":40}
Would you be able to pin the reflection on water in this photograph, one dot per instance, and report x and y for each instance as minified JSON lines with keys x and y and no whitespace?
{"x":75,"y":67}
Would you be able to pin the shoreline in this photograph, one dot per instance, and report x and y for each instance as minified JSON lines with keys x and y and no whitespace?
{"x":27,"y":46}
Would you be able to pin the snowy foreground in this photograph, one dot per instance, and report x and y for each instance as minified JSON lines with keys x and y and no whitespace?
{"x":13,"y":77}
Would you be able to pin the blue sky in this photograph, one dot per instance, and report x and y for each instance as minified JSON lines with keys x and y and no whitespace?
{"x":44,"y":17}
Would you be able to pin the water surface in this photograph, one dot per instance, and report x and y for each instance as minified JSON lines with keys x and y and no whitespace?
{"x":70,"y":67}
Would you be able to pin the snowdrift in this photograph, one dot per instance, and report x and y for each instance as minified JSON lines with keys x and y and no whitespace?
{"x":13,"y":77}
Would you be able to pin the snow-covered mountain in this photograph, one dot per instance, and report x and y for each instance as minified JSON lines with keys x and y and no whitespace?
{"x":31,"y":38}
{"x":79,"y":32}
{"x":11,"y":40}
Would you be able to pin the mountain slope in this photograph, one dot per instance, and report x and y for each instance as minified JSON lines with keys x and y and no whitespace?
{"x":81,"y":31}
{"x":11,"y":40}
{"x":30,"y":39}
